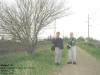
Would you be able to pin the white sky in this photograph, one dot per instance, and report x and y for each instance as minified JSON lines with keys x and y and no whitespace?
{"x":77,"y":22}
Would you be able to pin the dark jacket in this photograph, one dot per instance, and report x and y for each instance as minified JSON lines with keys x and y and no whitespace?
{"x":58,"y":43}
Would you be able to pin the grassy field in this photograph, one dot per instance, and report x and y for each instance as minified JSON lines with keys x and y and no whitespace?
{"x":42,"y":63}
{"x":91,"y":49}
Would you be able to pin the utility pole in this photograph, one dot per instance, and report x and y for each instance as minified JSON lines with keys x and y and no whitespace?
{"x":55,"y":28}
{"x":63,"y":35}
{"x":88,"y":26}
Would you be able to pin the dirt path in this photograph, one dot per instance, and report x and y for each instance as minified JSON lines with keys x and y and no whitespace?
{"x":87,"y":65}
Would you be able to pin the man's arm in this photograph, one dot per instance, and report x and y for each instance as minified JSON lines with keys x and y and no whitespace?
{"x":62,"y":44}
{"x":69,"y":45}
{"x":53,"y":41}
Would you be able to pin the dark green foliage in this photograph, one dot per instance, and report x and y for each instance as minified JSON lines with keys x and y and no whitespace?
{"x":81,"y":39}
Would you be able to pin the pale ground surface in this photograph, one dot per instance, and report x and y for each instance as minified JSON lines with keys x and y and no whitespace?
{"x":86,"y":65}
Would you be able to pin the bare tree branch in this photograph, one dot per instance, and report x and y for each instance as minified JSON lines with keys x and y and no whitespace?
{"x":27,"y":17}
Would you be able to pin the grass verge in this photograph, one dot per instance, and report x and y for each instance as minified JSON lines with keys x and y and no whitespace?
{"x":91,"y":49}
{"x":42,"y":63}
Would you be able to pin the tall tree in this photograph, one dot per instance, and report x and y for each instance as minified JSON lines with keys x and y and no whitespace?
{"x":27,"y":18}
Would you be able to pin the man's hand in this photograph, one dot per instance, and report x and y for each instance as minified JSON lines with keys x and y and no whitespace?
{"x":73,"y":42}
{"x":69,"y":45}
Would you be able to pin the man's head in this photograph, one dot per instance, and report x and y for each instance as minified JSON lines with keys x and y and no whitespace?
{"x":71,"y":35}
{"x":57,"y":34}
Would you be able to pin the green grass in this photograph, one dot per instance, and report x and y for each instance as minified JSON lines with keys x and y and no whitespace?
{"x":42,"y":62}
{"x":91,"y":49}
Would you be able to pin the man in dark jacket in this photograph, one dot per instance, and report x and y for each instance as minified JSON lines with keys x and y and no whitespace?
{"x":58,"y":43}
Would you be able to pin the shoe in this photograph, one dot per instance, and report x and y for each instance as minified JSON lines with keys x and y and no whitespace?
{"x":69,"y":62}
{"x":57,"y":64}
{"x":74,"y":62}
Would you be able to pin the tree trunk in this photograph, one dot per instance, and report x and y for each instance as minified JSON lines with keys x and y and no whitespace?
{"x":31,"y":49}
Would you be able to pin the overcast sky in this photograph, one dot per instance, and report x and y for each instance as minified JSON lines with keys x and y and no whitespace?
{"x":77,"y":22}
